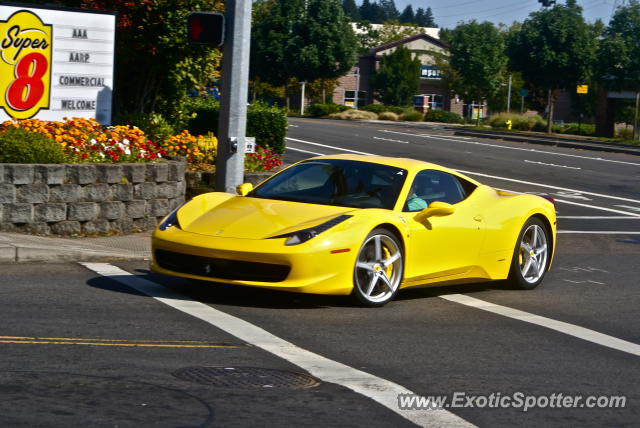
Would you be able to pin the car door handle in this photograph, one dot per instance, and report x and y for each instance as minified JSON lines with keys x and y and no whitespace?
{"x":478,"y":218}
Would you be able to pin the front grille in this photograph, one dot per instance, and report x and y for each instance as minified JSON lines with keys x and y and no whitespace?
{"x":221,"y":268}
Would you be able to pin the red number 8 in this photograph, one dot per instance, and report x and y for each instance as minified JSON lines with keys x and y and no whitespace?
{"x":19,"y":99}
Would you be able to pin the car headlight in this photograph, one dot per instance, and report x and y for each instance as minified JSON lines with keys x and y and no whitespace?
{"x":304,"y":235}
{"x":170,"y":220}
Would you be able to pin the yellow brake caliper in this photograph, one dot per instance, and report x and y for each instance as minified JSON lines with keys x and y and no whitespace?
{"x":389,"y":269}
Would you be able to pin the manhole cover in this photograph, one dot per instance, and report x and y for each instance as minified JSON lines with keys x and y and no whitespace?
{"x":246,"y":377}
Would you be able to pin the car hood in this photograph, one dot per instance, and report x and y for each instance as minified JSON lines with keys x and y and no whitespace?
{"x":255,"y":218}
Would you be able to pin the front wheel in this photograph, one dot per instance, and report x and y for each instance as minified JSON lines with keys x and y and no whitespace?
{"x":378,"y":270}
{"x":531,"y":256}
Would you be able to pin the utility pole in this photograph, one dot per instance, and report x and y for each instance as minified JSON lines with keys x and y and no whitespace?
{"x":303,"y":85}
{"x":635,"y":116}
{"x":232,"y":124}
{"x":509,"y":93}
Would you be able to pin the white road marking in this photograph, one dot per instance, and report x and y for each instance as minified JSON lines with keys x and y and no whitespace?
{"x":560,"y":326}
{"x":584,"y":269}
{"x":572,"y":195}
{"x":584,"y":282}
{"x":599,"y":232}
{"x":304,"y":151}
{"x":547,"y":186}
{"x":390,"y":140}
{"x":611,"y":210}
{"x":330,"y":147}
{"x":551,"y":164}
{"x":629,"y":207}
{"x":383,"y":391}
{"x":508,"y":179}
{"x":511,"y":148}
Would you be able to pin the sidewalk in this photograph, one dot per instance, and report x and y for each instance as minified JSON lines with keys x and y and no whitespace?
{"x":16,"y":247}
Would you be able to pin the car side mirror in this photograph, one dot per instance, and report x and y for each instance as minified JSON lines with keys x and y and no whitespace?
{"x":435,"y":209}
{"x":244,"y":189}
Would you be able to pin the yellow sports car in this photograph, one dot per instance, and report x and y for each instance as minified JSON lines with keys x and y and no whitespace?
{"x":360,"y":225}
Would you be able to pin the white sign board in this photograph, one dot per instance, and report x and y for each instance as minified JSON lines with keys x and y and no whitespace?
{"x":56,"y":62}
{"x":249,"y":144}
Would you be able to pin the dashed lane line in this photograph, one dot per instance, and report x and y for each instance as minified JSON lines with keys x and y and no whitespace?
{"x":380,"y":390}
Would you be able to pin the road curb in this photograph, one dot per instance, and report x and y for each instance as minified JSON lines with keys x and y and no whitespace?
{"x":554,"y":142}
{"x":17,"y":254}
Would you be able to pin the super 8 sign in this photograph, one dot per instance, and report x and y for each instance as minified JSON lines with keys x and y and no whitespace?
{"x":55,"y":63}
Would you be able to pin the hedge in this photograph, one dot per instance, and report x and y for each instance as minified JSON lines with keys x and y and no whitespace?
{"x":267,"y":124}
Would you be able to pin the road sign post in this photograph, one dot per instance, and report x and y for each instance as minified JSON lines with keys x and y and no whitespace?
{"x":232,"y":124}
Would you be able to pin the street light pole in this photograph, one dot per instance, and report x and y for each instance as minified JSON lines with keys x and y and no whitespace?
{"x":303,"y":84}
{"x":232,"y":124}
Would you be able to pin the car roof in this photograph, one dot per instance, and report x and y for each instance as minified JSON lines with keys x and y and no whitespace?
{"x":411,"y":165}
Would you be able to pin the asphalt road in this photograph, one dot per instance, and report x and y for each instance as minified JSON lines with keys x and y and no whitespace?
{"x":79,"y":348}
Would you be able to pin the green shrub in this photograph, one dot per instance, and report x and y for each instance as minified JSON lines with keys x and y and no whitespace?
{"x":411,"y":116}
{"x":325,"y":109}
{"x":625,"y":133}
{"x":442,"y":116}
{"x":154,"y":125}
{"x":572,"y":128}
{"x":267,"y":124}
{"x":387,"y":115}
{"x":380,"y":108}
{"x":354,"y":115}
{"x":518,"y":122}
{"x":18,"y":145}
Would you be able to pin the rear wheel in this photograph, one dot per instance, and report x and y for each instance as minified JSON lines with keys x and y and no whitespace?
{"x":531,"y":255}
{"x":378,"y":270}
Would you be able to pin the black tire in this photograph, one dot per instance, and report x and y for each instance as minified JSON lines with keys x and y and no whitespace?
{"x":531,"y":256}
{"x":377,"y":274}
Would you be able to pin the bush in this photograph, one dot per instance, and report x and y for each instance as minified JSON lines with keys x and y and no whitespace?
{"x":325,"y":109}
{"x":380,"y":108}
{"x":354,"y":115}
{"x":518,"y":122}
{"x":17,"y":145}
{"x":387,"y":115}
{"x":625,"y":133}
{"x":411,"y":116}
{"x":267,"y":124}
{"x":572,"y":128}
{"x":442,"y":116}
{"x":154,"y":125}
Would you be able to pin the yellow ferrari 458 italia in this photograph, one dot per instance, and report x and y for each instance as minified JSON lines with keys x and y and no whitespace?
{"x":360,"y":225}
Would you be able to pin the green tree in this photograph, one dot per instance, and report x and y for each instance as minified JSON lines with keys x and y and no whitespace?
{"x":322,"y":45}
{"x":619,"y":56}
{"x":425,"y":18}
{"x":390,"y":10}
{"x":554,"y":49}
{"x":408,"y":16}
{"x":351,"y":10}
{"x":477,"y":55}
{"x":398,"y":78}
{"x":302,"y":39}
{"x":155,"y":66}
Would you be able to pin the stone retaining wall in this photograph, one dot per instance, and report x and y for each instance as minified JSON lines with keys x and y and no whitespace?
{"x":88,"y":198}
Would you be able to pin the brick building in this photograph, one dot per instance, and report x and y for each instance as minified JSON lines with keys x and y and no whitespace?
{"x":354,"y":87}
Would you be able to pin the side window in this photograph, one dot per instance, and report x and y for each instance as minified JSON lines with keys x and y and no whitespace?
{"x":430,"y":186}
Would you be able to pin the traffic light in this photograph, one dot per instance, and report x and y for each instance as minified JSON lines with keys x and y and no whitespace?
{"x":205,"y":28}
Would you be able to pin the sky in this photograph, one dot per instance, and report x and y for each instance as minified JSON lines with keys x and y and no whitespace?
{"x":448,"y":13}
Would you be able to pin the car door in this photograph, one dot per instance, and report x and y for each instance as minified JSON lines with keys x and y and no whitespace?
{"x":441,"y":246}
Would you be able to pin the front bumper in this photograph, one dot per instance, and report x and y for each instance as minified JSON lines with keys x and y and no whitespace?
{"x":305,"y":268}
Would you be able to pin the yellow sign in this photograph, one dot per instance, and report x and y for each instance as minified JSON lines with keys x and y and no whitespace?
{"x":25,"y":64}
{"x":582,"y":89}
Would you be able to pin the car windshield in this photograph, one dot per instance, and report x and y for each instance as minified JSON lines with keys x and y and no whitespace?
{"x":336,"y":182}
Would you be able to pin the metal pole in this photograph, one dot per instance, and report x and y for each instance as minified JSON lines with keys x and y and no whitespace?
{"x":357,"y":100}
{"x":304,"y":84}
{"x":635,"y":116}
{"x":509,"y":94}
{"x":232,"y":124}
{"x":521,"y":104}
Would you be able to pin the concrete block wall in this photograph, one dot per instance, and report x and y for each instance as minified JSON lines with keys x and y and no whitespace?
{"x":88,"y":199}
